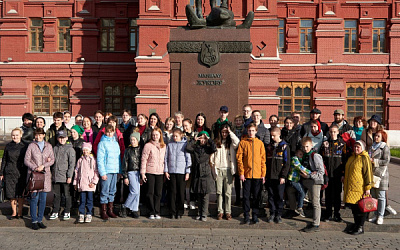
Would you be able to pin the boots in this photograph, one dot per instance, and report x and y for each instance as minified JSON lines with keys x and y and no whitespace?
{"x":110,"y":211}
{"x":123,"y":212}
{"x":103,"y":212}
{"x":358,"y":230}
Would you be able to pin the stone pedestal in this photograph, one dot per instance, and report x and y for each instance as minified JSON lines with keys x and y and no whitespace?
{"x":209,"y":68}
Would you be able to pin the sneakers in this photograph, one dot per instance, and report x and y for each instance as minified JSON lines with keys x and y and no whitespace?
{"x":157,"y":217}
{"x":311,"y":229}
{"x":88,"y":218}
{"x":53,"y":216}
{"x":271,"y":218}
{"x":255,"y":220}
{"x":373,"y":219}
{"x":151,"y":217}
{"x":391,"y":210}
{"x":81,"y":218}
{"x":278,"y":219}
{"x":185,"y":205}
{"x":67,"y":216}
{"x":198,"y":217}
{"x":192,"y":205}
{"x":379,"y":221}
{"x":300,"y":212}
{"x":203,"y":218}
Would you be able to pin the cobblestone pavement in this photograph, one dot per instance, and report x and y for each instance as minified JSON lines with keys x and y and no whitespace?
{"x":146,"y":238}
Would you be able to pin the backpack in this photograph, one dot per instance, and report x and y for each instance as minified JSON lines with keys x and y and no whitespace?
{"x":326,"y":178}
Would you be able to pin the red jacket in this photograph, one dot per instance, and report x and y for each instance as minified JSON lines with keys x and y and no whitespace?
{"x":120,"y":139}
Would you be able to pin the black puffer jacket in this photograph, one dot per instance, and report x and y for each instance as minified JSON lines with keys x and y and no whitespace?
{"x":201,"y":170}
{"x":126,"y":133}
{"x":27,"y":136}
{"x":77,"y":145}
{"x":292,"y":137}
{"x":131,"y":161}
{"x":335,"y":156}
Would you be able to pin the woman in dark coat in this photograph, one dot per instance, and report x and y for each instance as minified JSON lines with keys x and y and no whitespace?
{"x":13,"y":172}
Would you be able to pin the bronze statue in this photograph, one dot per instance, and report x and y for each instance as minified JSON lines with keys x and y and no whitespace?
{"x":199,"y":10}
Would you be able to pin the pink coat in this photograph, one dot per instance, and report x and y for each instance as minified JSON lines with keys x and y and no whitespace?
{"x":86,"y":173}
{"x":152,"y":159}
{"x":35,"y":158}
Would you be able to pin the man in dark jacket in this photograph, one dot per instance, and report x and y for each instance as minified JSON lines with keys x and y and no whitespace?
{"x":342,"y":124}
{"x":247,"y":110}
{"x":222,"y":120}
{"x":57,"y":125}
{"x":262,"y":132}
{"x":27,"y":124}
{"x":314,"y":115}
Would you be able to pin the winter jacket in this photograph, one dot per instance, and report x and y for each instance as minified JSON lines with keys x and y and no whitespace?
{"x":13,"y":169}
{"x":96,"y":130}
{"x":86,"y":173}
{"x":108,"y":156}
{"x":118,"y":136}
{"x":313,"y":162}
{"x":225,"y":157}
{"x":131,"y":161}
{"x":77,"y":145}
{"x":306,"y":128}
{"x":216,"y":127}
{"x":51,"y":134}
{"x":64,"y":163}
{"x":152,"y":158}
{"x":334,"y":154}
{"x":357,"y":177}
{"x":89,"y":136}
{"x":201,"y":171}
{"x":344,"y":127}
{"x":293,"y":139}
{"x":177,"y":160}
{"x":251,"y":158}
{"x":28,"y":135}
{"x":263,"y":134}
{"x":380,"y":168}
{"x":167,"y":137}
{"x":35,"y":158}
{"x":316,"y":140}
{"x":126,"y":133}
{"x":278,"y":160}
{"x":367,"y":137}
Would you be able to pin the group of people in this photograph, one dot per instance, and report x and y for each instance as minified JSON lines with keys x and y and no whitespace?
{"x":151,"y":160}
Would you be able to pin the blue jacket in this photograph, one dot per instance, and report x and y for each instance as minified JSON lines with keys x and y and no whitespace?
{"x":108,"y":156}
{"x":177,"y":160}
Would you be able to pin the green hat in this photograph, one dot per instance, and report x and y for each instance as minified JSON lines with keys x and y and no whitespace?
{"x":78,"y":129}
{"x":204,"y":133}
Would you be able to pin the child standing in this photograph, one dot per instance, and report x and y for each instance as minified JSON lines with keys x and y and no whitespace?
{"x":85,"y":181}
{"x":223,"y":163}
{"x":201,"y":148}
{"x":63,"y":169}
{"x":294,"y":180}
{"x":251,"y":167}
{"x":177,"y":169}
{"x":109,"y":165}
{"x":278,"y":167}
{"x":131,"y":174}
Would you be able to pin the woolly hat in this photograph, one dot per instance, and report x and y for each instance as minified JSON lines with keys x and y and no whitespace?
{"x":136,"y":135}
{"x":204,"y":133}
{"x":87,"y":145}
{"x":78,"y":129}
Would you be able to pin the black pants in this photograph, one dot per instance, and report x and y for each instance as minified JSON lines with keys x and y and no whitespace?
{"x":237,"y":187}
{"x":59,"y":189}
{"x":275,"y":197}
{"x":359,"y":217}
{"x":203,"y":200}
{"x":333,"y":196}
{"x":154,"y":189}
{"x":251,"y":187}
{"x":177,"y":187}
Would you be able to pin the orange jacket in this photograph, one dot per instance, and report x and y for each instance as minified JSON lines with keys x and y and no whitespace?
{"x":251,"y":158}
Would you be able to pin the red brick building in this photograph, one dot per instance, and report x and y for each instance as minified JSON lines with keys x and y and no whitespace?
{"x":94,"y":54}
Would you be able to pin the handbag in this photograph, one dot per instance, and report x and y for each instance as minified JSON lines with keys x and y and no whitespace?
{"x":376,"y":181}
{"x":35,"y":181}
{"x":368,"y":204}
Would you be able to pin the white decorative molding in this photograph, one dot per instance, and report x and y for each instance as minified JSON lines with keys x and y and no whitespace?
{"x":154,"y":7}
{"x":12,"y":11}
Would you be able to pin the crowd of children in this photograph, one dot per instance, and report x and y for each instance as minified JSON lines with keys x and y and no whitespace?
{"x":129,"y":163}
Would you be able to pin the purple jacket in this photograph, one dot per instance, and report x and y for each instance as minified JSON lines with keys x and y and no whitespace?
{"x":35,"y":158}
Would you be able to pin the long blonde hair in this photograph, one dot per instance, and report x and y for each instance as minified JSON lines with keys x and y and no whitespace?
{"x":161,"y":141}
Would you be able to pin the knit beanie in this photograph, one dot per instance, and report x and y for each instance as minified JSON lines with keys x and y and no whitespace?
{"x":78,"y":129}
{"x":136,"y":135}
{"x":87,"y":145}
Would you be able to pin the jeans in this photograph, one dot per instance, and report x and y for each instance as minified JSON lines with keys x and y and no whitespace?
{"x":154,"y":190}
{"x":108,"y":189}
{"x":381,"y":196}
{"x":132,"y":202}
{"x":177,"y":187}
{"x":86,"y":201}
{"x":300,"y":193}
{"x":275,"y":197}
{"x":59,"y":189}
{"x":333,"y":196}
{"x":251,"y":187}
{"x":38,"y":199}
{"x":224,"y":190}
{"x":314,"y":192}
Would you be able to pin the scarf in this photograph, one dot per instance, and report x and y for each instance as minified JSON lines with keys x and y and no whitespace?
{"x":319,"y":129}
{"x":126,"y":125}
{"x":358,"y":132}
{"x":306,"y":160}
{"x":88,"y":135}
{"x":141,"y":129}
{"x":220,"y":123}
{"x":375,"y":145}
